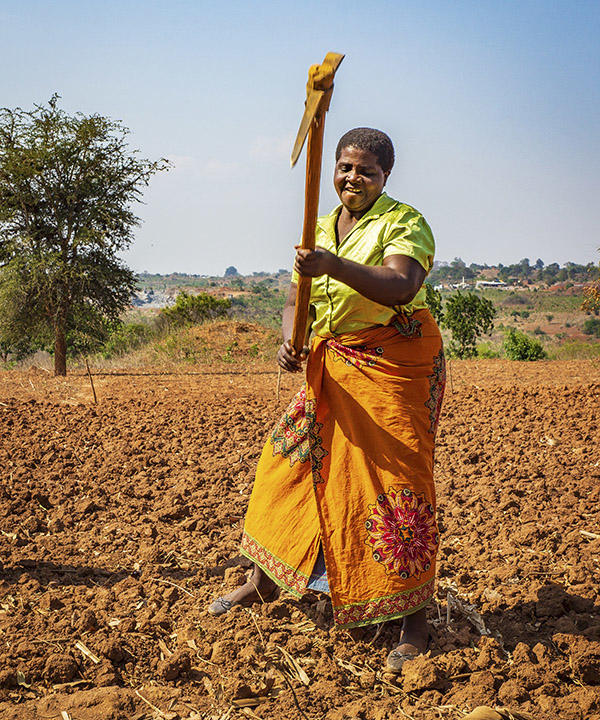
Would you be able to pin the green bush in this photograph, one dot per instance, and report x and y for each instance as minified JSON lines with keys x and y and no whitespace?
{"x":514,"y":299}
{"x":194,"y":309}
{"x":13,"y":350}
{"x":485,"y":350}
{"x":433,"y":298}
{"x":592,"y":327}
{"x":126,"y":337}
{"x":538,"y":331}
{"x":576,"y":349}
{"x":519,"y":346}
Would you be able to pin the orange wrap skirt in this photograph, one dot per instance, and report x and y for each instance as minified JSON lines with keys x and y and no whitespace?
{"x":349,"y":470}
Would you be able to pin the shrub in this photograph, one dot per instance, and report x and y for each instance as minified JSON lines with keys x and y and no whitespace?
{"x":592,"y":327}
{"x":519,"y":346}
{"x":538,"y":331}
{"x":126,"y":337}
{"x":514,"y":299}
{"x":485,"y":350}
{"x":194,"y":309}
{"x":576,"y":349}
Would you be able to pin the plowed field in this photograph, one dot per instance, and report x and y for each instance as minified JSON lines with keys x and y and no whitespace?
{"x":120,"y":521}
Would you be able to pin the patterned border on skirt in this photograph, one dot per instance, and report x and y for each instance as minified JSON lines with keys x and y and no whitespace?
{"x":287,"y":577}
{"x":386,"y":608}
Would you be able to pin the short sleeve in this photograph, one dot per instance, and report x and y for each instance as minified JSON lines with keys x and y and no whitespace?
{"x":411,"y":235}
{"x":295,"y":277}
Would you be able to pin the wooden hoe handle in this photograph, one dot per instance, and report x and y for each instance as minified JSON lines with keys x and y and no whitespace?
{"x":318,"y":96}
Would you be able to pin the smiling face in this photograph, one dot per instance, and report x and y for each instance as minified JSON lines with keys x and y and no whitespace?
{"x":358,"y":180}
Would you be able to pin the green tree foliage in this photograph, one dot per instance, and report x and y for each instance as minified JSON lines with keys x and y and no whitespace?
{"x":67,"y":183}
{"x":521,"y":272}
{"x":433,"y":298}
{"x":592,"y":327}
{"x":519,"y":346}
{"x":194,"y":309}
{"x":17,"y":339}
{"x":454,"y":272}
{"x":468,"y":316}
{"x":125,"y":337}
{"x":231,"y":271}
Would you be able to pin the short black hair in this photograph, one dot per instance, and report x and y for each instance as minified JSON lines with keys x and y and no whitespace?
{"x":374,"y":141}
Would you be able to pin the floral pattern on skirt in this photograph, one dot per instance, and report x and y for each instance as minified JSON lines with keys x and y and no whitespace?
{"x":402,"y":532}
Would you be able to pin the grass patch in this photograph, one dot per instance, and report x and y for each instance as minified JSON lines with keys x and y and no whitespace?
{"x":575,"y":350}
{"x":214,"y":342}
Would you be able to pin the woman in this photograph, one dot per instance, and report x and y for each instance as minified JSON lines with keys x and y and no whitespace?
{"x":344,"y":499}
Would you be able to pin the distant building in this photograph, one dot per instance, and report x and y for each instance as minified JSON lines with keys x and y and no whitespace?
{"x":490,"y":284}
{"x":461,"y":285}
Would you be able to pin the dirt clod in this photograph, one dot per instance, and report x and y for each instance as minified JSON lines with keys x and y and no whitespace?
{"x":60,"y":668}
{"x":177,"y":665}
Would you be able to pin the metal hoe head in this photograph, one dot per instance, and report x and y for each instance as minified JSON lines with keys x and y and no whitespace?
{"x":318,"y":95}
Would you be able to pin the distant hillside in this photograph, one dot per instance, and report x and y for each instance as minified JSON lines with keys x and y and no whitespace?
{"x":522,"y":273}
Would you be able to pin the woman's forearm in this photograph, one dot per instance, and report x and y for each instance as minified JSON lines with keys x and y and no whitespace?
{"x":287,"y":321}
{"x":287,"y":318}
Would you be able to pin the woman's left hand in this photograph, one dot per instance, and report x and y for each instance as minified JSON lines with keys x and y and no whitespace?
{"x":313,"y":263}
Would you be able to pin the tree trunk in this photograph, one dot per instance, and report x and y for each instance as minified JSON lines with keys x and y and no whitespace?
{"x":60,"y":346}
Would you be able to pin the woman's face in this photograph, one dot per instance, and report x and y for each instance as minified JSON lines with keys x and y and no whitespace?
{"x":358,"y":179}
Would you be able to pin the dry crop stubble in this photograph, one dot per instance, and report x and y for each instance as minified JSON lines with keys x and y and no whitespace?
{"x":121,"y":520}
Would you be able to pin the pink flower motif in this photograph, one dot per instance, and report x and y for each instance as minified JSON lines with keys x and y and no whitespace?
{"x":402,"y":533}
{"x":290,"y":435}
{"x":359,"y":355}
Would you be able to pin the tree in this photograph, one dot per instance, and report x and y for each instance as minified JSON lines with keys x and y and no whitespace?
{"x":67,"y":183}
{"x":591,"y":302}
{"x":468,"y":317}
{"x":433,"y":298}
{"x":231,"y":271}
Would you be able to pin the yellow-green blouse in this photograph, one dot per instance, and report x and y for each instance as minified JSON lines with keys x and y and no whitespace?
{"x":389,"y":228}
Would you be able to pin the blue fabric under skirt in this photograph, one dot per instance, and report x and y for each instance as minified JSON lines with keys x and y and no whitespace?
{"x":318,"y":579}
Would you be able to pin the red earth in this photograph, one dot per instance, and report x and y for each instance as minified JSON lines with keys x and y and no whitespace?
{"x":120,"y":520}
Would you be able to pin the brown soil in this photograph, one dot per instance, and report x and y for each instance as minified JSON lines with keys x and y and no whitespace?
{"x":120,"y":521}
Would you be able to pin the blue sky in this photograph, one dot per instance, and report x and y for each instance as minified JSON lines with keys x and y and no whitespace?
{"x":493,"y":107}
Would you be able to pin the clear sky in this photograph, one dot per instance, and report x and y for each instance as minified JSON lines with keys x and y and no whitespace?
{"x":493,"y":107}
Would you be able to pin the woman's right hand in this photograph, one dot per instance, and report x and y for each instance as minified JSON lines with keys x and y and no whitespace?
{"x":287,"y":359}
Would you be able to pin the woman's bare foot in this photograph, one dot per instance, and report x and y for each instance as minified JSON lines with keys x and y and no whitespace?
{"x":414,"y":640}
{"x":259,"y":588}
